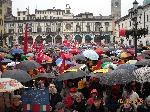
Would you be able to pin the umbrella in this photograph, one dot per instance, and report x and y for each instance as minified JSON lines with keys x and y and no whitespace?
{"x":144,"y":62}
{"x":17,"y":74}
{"x":3,"y":49}
{"x":97,"y":75}
{"x":107,"y":60}
{"x":99,"y":51}
{"x":23,"y":57}
{"x":13,"y":63}
{"x":127,"y":66}
{"x":91,"y":54}
{"x":8,"y":56}
{"x":104,"y":56}
{"x":6,"y":61}
{"x":131,"y":62}
{"x":106,"y":65}
{"x":28,"y":65}
{"x":72,"y":75}
{"x":59,"y":62}
{"x":147,"y":52}
{"x":14,"y":51}
{"x":74,"y":51}
{"x":78,"y":67}
{"x":30,"y":55}
{"x":67,"y":56}
{"x":125,"y":55}
{"x":9,"y":85}
{"x":118,"y":76}
{"x":45,"y":75}
{"x":142,"y":74}
{"x":46,"y":58}
{"x":80,"y":57}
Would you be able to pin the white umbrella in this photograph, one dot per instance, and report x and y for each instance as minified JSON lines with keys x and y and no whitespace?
{"x":142,"y":74}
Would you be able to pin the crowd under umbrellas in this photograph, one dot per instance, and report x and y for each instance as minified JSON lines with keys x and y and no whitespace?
{"x":72,"y":72}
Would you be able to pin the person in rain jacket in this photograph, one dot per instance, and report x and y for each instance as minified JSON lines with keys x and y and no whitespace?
{"x":90,"y":101}
{"x":68,"y":101}
{"x":97,"y":105}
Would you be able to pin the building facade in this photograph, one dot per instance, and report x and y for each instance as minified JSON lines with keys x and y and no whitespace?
{"x":126,"y":24}
{"x":55,"y":25}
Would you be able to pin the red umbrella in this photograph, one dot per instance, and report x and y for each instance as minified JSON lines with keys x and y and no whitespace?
{"x":74,"y":51}
{"x":131,"y":51}
{"x":67,"y":56}
{"x":146,"y":52}
{"x":46,"y":58}
{"x":99,"y":51}
{"x":140,"y":57}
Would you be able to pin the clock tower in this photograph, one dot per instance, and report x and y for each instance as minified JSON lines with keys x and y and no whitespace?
{"x":116,"y":9}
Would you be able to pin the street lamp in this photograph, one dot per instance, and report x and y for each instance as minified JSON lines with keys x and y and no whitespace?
{"x":134,"y":13}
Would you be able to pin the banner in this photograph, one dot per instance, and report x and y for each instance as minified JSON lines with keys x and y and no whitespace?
{"x":35,"y":100}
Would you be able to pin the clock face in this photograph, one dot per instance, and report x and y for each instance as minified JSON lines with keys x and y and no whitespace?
{"x":116,"y":4}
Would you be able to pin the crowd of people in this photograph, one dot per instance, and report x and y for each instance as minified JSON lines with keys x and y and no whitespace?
{"x":85,"y":94}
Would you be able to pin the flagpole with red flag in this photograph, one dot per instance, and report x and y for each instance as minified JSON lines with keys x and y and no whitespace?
{"x":26,"y":40}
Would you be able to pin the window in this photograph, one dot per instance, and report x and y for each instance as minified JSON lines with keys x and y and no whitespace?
{"x":122,"y":25}
{"x":130,"y":41}
{"x":106,"y":23}
{"x":0,"y":11}
{"x":23,"y":18}
{"x":78,"y":28}
{"x":18,"y":13}
{"x":39,"y":29}
{"x":0,"y":4}
{"x":24,"y":13}
{"x":106,"y":29}
{"x":147,"y":18}
{"x":88,"y":28}
{"x":130,"y":23}
{"x":18,"y":18}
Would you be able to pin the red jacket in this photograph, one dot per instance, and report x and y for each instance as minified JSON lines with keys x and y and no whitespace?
{"x":90,"y":101}
{"x":68,"y":101}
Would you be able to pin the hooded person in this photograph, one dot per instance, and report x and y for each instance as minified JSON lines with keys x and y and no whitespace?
{"x":144,"y":107}
{"x":60,"y":107}
{"x":68,"y":101}
{"x":93,"y":93}
{"x":97,"y":106}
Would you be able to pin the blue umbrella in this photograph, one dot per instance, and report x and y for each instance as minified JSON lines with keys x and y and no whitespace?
{"x":14,"y":51}
{"x":59,"y":61}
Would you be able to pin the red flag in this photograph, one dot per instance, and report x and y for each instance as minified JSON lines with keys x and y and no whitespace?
{"x":41,"y":49}
{"x":98,"y":65}
{"x":34,"y":47}
{"x":26,"y":39}
{"x":62,"y":66}
{"x":40,"y":54}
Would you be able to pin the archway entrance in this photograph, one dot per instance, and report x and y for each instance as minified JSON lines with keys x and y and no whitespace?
{"x":20,"y":40}
{"x":48,"y":39}
{"x":58,"y":39}
{"x":88,"y":39}
{"x":38,"y":39}
{"x":97,"y":39}
{"x":78,"y":38}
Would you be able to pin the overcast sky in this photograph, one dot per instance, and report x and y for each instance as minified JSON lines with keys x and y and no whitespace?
{"x":77,"y":6}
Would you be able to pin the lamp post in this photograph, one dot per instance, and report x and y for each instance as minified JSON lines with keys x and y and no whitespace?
{"x":134,"y":13}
